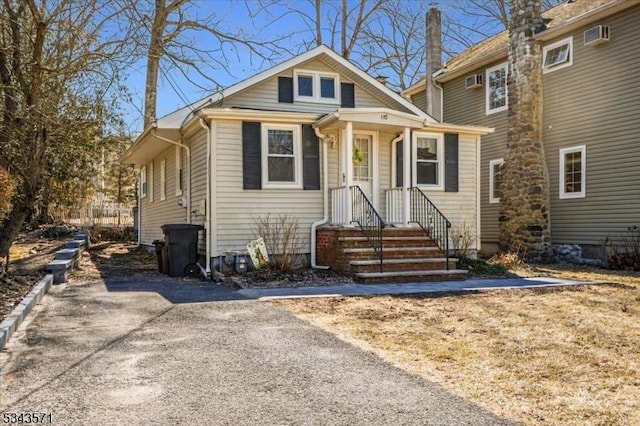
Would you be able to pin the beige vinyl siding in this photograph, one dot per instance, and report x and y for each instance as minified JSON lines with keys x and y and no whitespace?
{"x":160,"y":212}
{"x":265,"y":95}
{"x":467,"y":106}
{"x":237,"y":208}
{"x":596,"y":102}
{"x":198,"y":146}
{"x":460,"y":207}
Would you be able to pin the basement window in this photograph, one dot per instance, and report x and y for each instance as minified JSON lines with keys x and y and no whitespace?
{"x":557,"y":55}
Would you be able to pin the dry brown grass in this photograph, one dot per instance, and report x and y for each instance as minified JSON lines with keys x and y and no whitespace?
{"x":564,"y":356}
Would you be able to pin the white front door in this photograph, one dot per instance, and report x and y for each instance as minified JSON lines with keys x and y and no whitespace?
{"x":362,"y":160}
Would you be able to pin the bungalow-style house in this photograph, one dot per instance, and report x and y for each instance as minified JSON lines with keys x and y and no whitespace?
{"x":590,"y":120}
{"x":320,"y":140}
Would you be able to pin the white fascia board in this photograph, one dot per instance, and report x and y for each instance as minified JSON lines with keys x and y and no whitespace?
{"x":447,"y":127}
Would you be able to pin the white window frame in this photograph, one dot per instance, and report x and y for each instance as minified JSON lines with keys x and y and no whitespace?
{"x":143,"y":182}
{"x":163,"y":180}
{"x":297,"y":155}
{"x":583,"y":167}
{"x":559,"y":65}
{"x":179,"y":171}
{"x":440,"y":160}
{"x":492,"y":174}
{"x":316,"y":76}
{"x":488,"y":88}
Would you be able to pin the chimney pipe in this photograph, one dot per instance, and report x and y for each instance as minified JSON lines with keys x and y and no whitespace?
{"x":434,"y":59}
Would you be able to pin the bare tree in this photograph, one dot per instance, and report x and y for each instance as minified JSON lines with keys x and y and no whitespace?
{"x":169,"y":36}
{"x":53,"y":54}
{"x":466,"y":22}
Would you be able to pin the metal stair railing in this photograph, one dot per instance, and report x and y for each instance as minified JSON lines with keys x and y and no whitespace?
{"x":431,"y":220}
{"x":368,"y":219}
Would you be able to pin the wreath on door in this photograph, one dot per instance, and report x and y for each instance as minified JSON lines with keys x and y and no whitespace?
{"x":357,"y":156}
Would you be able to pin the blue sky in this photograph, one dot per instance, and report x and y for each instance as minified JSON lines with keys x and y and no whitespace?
{"x":175,"y":90}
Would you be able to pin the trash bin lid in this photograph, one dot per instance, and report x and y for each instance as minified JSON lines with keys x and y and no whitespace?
{"x":180,"y":226}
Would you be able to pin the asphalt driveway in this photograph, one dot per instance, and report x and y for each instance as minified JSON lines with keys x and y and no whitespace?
{"x":162,"y":352}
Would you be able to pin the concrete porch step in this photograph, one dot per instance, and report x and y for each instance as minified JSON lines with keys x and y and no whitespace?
{"x":410,"y":276}
{"x":402,"y":264}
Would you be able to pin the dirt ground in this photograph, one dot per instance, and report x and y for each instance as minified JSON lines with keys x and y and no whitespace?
{"x":556,"y":356}
{"x":29,"y":256}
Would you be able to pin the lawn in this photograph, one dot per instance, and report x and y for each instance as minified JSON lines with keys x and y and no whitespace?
{"x":567,"y":356}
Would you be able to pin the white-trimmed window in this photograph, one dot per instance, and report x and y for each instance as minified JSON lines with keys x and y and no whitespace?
{"x":143,"y":181}
{"x":428,"y":154}
{"x":557,"y":55}
{"x":573,"y":168}
{"x":282,"y":156}
{"x":495,"y":180}
{"x":179,"y":176}
{"x":163,"y":180}
{"x":316,"y":86}
{"x":496,"y":89}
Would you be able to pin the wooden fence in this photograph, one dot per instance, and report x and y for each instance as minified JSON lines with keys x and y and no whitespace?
{"x":111,"y":215}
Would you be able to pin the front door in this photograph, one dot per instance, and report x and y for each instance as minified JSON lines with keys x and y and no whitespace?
{"x":363,"y":164}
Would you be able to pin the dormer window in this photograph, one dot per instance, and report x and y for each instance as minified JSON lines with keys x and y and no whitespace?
{"x":316,"y":86}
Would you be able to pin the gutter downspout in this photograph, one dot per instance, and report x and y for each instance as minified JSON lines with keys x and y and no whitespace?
{"x":325,"y":194}
{"x":207,"y":223}
{"x":188,"y":150}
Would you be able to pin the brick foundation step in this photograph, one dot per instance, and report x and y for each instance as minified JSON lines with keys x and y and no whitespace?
{"x":404,"y":264}
{"x":410,"y":276}
{"x":387,"y":241}
{"x":364,"y":253}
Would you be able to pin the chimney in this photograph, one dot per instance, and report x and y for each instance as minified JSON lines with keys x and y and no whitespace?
{"x":434,"y":59}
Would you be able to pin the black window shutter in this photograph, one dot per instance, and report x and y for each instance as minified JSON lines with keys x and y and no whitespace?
{"x":399,"y":163}
{"x":347,"y":95}
{"x":451,"y":162}
{"x":251,"y":156}
{"x":285,"y":90}
{"x":310,"y":158}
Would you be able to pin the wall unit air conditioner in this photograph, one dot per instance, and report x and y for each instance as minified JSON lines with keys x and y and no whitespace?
{"x":473,"y":81}
{"x":596,"y":35}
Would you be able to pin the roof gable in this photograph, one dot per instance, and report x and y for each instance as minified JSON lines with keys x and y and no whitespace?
{"x":342,"y":66}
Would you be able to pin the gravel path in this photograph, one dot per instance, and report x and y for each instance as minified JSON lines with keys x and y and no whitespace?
{"x":125,"y":353}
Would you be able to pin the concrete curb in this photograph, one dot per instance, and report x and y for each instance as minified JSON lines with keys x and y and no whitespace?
{"x":20,"y":312}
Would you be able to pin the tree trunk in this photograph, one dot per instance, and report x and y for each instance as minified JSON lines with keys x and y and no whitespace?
{"x":318,"y":7}
{"x":524,"y":205}
{"x":154,"y":53}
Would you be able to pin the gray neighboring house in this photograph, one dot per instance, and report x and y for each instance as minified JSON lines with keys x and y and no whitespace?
{"x":591,"y":120}
{"x":312,"y":138}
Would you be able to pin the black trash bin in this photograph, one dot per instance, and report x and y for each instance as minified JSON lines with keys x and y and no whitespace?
{"x":160,"y":256}
{"x":181,"y":245}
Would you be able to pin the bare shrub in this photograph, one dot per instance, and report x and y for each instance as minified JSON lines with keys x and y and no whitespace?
{"x":463,"y":238}
{"x":623,"y":250}
{"x":282,"y":238}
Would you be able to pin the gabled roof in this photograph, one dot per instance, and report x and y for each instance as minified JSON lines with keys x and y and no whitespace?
{"x":173,"y":123}
{"x":179,"y":117}
{"x":559,"y":20}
